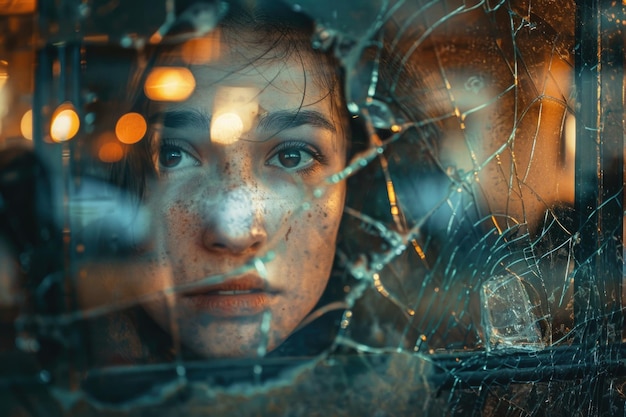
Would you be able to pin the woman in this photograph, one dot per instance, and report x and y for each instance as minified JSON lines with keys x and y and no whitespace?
{"x":236,"y":177}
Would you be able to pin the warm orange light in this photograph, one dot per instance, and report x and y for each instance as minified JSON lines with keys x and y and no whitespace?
{"x":4,"y":72}
{"x":26,"y":125}
{"x":65,"y":123}
{"x":202,"y":50}
{"x":110,"y":152}
{"x":130,"y":128}
{"x":234,"y":111}
{"x":169,"y":84}
{"x":226,"y":128}
{"x":17,"y":7}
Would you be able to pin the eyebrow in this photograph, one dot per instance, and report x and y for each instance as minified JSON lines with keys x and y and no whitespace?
{"x":179,"y":119}
{"x":274,"y":121}
{"x":287,"y":119}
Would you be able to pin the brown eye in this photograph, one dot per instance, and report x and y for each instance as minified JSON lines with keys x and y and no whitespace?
{"x":174,"y":157}
{"x":290,"y":158}
{"x":170,"y":156}
{"x":295,"y":157}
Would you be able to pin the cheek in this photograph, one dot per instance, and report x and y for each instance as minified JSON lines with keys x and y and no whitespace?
{"x":177,"y":219}
{"x":176,"y":211}
{"x":310,"y":239}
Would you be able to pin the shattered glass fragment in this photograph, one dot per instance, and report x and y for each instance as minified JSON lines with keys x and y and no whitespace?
{"x":380,"y":114}
{"x":507,"y":315}
{"x":342,"y":18}
{"x":478,"y":265}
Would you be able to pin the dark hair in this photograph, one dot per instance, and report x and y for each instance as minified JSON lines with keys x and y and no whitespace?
{"x":282,"y":32}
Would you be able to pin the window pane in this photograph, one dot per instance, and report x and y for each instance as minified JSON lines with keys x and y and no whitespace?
{"x":377,"y":207}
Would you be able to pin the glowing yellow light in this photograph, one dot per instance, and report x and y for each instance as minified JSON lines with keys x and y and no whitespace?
{"x":242,"y":101}
{"x":202,"y":50}
{"x":130,"y":128}
{"x":392,"y":199}
{"x":26,"y":125}
{"x":110,"y":152}
{"x":169,"y":84}
{"x":17,"y":7}
{"x":4,"y":73}
{"x":226,"y":128}
{"x":570,"y":139}
{"x":65,"y":123}
{"x":155,"y":38}
{"x":418,"y":249}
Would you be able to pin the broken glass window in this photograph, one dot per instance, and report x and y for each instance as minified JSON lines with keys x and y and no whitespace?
{"x":377,"y":207}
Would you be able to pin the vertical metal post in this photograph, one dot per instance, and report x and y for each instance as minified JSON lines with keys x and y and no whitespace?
{"x":599,"y":173}
{"x":57,"y":81}
{"x":599,"y":193}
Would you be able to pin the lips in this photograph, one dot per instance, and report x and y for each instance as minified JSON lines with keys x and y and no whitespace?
{"x":238,"y":297}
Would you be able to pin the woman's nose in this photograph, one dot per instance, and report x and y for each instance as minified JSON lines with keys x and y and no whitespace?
{"x":233,"y":223}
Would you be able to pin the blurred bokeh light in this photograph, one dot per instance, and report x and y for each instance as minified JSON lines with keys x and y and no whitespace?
{"x":169,"y":84}
{"x":130,"y":128}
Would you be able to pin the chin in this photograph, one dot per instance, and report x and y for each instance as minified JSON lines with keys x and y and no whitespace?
{"x":246,"y":349}
{"x":226,"y":343}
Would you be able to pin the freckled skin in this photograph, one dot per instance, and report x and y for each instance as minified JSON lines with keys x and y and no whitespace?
{"x":232,"y":207}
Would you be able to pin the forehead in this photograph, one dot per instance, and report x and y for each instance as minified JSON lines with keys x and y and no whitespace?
{"x":275,"y":76}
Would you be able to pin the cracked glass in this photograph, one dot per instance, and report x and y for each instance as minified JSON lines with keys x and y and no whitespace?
{"x":376,"y":207}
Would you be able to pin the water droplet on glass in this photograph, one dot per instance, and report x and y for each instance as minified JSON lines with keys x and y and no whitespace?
{"x":126,"y":41}
{"x":44,"y":376}
{"x":353,"y":107}
{"x":380,"y":114}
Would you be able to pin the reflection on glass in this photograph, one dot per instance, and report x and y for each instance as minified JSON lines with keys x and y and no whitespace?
{"x":130,"y":128}
{"x":387,"y":192}
{"x":242,"y":251}
{"x":110,"y":151}
{"x":26,"y":125}
{"x":169,"y":84}
{"x":4,"y":73}
{"x":65,"y":123}
{"x":203,"y":50}
{"x":226,"y":128}
{"x":508,"y":318}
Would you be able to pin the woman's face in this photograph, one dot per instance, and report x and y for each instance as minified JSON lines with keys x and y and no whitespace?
{"x":243,"y":165}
